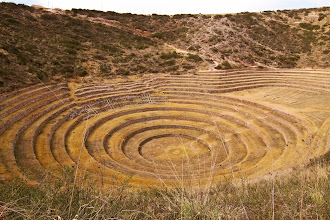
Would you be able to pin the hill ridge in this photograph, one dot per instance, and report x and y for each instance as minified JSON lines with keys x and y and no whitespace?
{"x":54,"y":45}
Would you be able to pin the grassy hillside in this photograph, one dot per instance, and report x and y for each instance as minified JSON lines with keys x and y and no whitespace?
{"x":37,"y":44}
{"x":283,"y":39}
{"x":302,"y":194}
{"x":42,"y":44}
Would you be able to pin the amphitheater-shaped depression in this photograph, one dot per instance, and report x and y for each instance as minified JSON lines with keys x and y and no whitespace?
{"x":165,"y":128}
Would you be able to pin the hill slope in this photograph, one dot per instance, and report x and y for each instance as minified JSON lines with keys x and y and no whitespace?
{"x":44,"y":44}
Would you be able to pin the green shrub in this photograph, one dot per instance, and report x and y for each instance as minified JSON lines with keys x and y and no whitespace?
{"x":69,"y":22}
{"x":182,"y":16}
{"x":321,"y":16}
{"x":173,"y":68}
{"x":12,"y":21}
{"x":215,"y":50}
{"x":139,"y":69}
{"x":214,"y":39}
{"x":105,"y":68}
{"x":288,"y":61}
{"x":168,"y":63}
{"x":147,"y":55}
{"x":5,"y":16}
{"x":111,"y":49}
{"x":218,"y":16}
{"x":191,"y":48}
{"x":178,"y":33}
{"x":227,"y":51}
{"x":100,"y":57}
{"x":224,"y":65}
{"x":30,"y":18}
{"x":70,"y":43}
{"x":194,"y":47}
{"x":122,"y":71}
{"x":194,"y":58}
{"x":141,"y":46}
{"x":188,"y":66}
{"x":48,"y":17}
{"x":308,"y":26}
{"x":167,"y":56}
{"x":83,"y":73}
{"x":206,"y":16}
{"x":160,"y":35}
{"x":218,"y":31}
{"x":41,"y":75}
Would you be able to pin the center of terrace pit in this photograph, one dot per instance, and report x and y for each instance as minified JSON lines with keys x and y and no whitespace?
{"x":164,"y":128}
{"x":171,"y":147}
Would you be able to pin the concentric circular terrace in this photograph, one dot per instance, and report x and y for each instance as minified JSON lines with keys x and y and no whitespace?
{"x":165,"y":128}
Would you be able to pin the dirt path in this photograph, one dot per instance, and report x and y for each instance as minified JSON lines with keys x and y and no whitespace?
{"x":178,"y":50}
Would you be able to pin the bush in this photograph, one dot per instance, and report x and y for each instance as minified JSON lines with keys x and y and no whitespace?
{"x":70,"y":51}
{"x":224,"y":65}
{"x":173,"y":68}
{"x":206,"y":16}
{"x":167,"y":56}
{"x":188,"y":67}
{"x":194,"y":58}
{"x":122,"y":71}
{"x":160,"y":35}
{"x":178,"y":33}
{"x":309,"y":26}
{"x":105,"y":68}
{"x":218,"y":16}
{"x":30,"y":18}
{"x":215,"y":50}
{"x":218,"y":31}
{"x":66,"y":70}
{"x":288,"y":61}
{"x":192,"y":48}
{"x":182,"y":16}
{"x":12,"y":21}
{"x":5,"y":16}
{"x":42,"y":75}
{"x":168,"y":63}
{"x":139,"y":69}
{"x":100,"y":57}
{"x":70,"y":43}
{"x":321,"y":16}
{"x":227,"y":51}
{"x":111,"y":49}
{"x":214,"y":40}
{"x":141,"y":46}
{"x":48,"y":17}
{"x":147,"y":55}
{"x":83,"y":73}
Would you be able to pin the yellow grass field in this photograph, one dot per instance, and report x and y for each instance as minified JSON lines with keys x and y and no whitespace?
{"x":164,"y":129}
